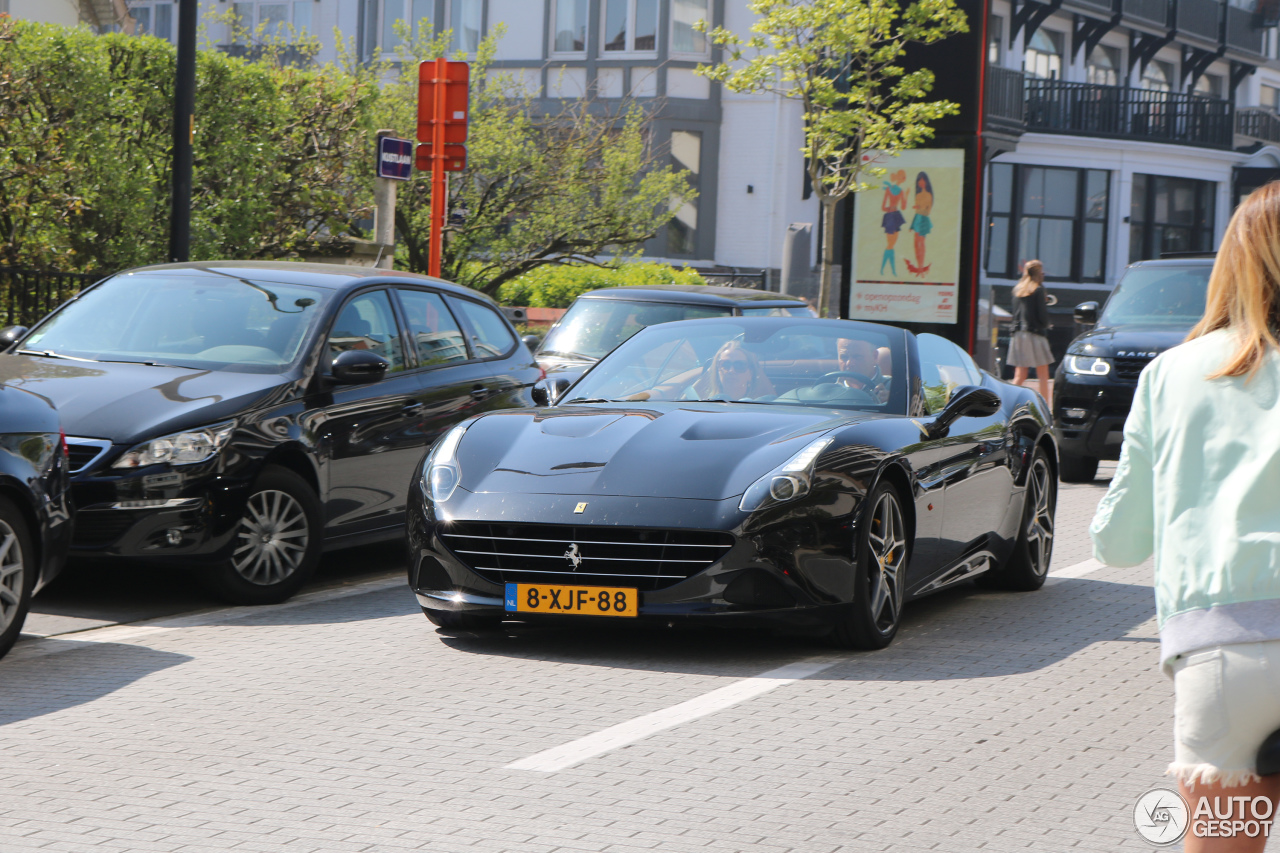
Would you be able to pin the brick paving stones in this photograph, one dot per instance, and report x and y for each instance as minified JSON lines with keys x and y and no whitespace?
{"x":996,"y":722}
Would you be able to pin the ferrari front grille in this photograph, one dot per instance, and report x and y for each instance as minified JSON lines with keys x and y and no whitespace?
{"x":644,"y":558}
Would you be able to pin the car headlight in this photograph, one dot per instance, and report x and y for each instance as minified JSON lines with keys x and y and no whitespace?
{"x":441,"y":472}
{"x":790,"y":480}
{"x":180,"y":448}
{"x":1088,"y":365}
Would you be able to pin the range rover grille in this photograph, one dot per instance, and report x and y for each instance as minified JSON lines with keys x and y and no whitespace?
{"x":644,"y":558}
{"x":1128,"y":368}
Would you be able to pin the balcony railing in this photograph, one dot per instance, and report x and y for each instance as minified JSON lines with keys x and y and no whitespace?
{"x":1086,"y":109}
{"x":1258,"y":123}
{"x":1242,"y":34}
{"x":1154,"y":12}
{"x":1006,"y":102}
{"x":1201,"y":18}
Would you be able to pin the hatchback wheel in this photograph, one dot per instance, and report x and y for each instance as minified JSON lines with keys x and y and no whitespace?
{"x":17,"y":573}
{"x":276,"y":544}
{"x":882,"y":551}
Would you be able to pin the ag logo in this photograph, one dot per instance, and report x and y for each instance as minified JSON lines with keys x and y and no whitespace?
{"x":1161,"y":816}
{"x":572,"y":555}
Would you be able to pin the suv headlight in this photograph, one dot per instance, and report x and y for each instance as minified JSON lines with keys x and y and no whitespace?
{"x":180,"y":448}
{"x":1087,"y":365}
{"x":790,"y":480}
{"x":441,"y":473}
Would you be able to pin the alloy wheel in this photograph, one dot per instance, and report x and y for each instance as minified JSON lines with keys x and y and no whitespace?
{"x":889,"y":551}
{"x":1039,"y":528}
{"x":271,"y":539}
{"x":12,"y":575}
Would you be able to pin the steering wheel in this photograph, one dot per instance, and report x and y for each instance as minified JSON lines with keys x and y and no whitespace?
{"x":849,"y":374}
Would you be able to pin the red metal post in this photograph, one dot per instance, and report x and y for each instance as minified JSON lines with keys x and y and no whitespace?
{"x":439,"y":185}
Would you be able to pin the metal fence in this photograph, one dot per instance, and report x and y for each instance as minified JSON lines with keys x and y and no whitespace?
{"x":26,"y":295}
{"x":1122,"y":112}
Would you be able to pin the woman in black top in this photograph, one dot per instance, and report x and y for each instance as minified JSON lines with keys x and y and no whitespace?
{"x":1029,"y":346}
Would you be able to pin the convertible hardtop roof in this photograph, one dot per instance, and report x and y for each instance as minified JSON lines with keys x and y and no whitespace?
{"x":333,"y":276}
{"x":695,"y":294}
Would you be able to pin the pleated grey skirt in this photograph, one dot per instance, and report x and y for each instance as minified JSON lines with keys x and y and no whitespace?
{"x":1027,"y":349}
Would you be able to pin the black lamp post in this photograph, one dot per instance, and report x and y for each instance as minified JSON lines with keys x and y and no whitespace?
{"x":184,"y":121}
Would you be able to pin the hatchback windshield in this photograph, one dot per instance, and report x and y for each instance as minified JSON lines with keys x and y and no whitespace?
{"x":201,"y":321}
{"x":593,"y":327}
{"x":1158,"y":296}
{"x":773,"y":362}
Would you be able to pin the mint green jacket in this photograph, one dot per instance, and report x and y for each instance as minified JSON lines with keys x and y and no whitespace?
{"x":1198,"y":485}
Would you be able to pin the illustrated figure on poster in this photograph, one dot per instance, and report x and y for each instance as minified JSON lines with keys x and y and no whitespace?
{"x":894,"y":202}
{"x":921,"y":224}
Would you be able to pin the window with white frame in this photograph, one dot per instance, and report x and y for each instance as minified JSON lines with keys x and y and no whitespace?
{"x":157,"y":19}
{"x":1043,"y":57}
{"x":269,"y":20}
{"x":630,"y":26}
{"x":685,"y":15}
{"x":1103,"y":67}
{"x":570,"y":34}
{"x":466,"y":21}
{"x":402,"y":15}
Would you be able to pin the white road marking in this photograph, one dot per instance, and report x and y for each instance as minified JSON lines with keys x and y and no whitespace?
{"x":575,"y":752}
{"x":1079,"y":570}
{"x":140,"y":632}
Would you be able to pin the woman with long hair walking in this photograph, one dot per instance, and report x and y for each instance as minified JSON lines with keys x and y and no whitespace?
{"x":1029,"y":346}
{"x":1198,"y":485}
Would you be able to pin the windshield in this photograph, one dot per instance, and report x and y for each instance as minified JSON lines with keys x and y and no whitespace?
{"x":773,"y":362}
{"x":593,"y":327}
{"x":210,"y":322}
{"x":1168,"y":296}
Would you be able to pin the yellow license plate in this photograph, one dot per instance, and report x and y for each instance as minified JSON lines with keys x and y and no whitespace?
{"x":574,"y":600}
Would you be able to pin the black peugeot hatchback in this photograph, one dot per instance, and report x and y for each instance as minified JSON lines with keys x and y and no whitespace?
{"x":1152,"y":309}
{"x":237,"y":417}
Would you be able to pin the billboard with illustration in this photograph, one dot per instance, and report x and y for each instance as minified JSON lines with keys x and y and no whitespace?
{"x":906,"y":239}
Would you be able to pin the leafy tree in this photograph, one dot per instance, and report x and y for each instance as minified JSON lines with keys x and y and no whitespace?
{"x":556,"y":286}
{"x":842,"y":60}
{"x":559,"y":188}
{"x":85,"y":134}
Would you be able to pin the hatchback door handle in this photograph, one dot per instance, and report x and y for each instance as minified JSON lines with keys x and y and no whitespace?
{"x":479,"y":392}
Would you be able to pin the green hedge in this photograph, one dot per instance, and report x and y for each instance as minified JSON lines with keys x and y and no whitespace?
{"x":558,"y":286}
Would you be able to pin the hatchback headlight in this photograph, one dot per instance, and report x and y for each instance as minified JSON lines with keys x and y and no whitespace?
{"x":790,"y":480}
{"x":180,"y":448}
{"x":441,"y":473}
{"x":1088,"y":365}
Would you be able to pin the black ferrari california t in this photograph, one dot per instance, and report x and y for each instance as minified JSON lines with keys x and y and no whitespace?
{"x":784,"y":471}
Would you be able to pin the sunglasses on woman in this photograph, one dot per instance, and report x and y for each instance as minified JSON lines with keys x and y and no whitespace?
{"x":736,"y":366}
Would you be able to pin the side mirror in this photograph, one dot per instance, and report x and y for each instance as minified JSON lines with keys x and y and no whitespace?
{"x":9,"y":336}
{"x":358,"y":367}
{"x":532,"y":341}
{"x":969,"y":401}
{"x":546,"y":392}
{"x":1086,"y":313}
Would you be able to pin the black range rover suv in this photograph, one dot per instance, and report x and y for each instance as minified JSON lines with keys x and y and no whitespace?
{"x":1152,"y":308}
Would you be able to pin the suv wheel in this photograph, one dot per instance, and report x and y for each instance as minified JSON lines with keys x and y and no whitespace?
{"x":1077,"y":469}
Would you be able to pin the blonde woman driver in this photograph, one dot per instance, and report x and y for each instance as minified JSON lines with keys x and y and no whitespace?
{"x":1198,"y":485}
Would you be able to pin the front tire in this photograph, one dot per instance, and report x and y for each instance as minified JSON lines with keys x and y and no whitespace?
{"x":276,"y":544}
{"x":882,"y":553}
{"x":1077,"y":469}
{"x":1028,"y":565}
{"x":17,"y":573}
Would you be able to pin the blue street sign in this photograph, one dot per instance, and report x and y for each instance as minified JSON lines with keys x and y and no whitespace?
{"x":395,"y":158}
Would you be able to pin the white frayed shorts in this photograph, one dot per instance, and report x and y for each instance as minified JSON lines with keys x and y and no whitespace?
{"x":1226,"y":702}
